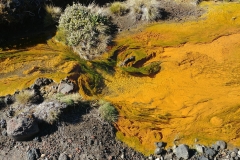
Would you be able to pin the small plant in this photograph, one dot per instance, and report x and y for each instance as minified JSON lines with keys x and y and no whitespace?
{"x":87,"y":32}
{"x":108,"y":112}
{"x":69,"y":99}
{"x":52,"y":15}
{"x":24,"y":96}
{"x":118,"y":8}
{"x":145,"y":10}
{"x":150,"y":69}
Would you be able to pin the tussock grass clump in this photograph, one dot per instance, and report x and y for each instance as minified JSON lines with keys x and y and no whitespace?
{"x":118,"y":8}
{"x":69,"y":99}
{"x":145,"y":10}
{"x":52,"y":15}
{"x":24,"y":96}
{"x":86,"y":31}
{"x":108,"y":112}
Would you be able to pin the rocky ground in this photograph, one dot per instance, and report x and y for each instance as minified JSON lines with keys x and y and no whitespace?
{"x":79,"y":133}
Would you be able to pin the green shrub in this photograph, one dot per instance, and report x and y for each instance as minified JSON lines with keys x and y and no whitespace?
{"x":108,"y":112}
{"x":52,"y":15}
{"x":118,"y":8}
{"x":87,"y":32}
{"x":152,"y":68}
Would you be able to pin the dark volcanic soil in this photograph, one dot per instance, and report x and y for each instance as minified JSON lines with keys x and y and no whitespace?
{"x":80,"y":134}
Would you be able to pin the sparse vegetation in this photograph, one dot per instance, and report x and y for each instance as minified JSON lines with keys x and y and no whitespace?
{"x":24,"y":96}
{"x":108,"y":112}
{"x":69,"y":99}
{"x":118,"y":8}
{"x":88,"y":33}
{"x":145,"y":10}
{"x":150,"y":69}
{"x":52,"y":15}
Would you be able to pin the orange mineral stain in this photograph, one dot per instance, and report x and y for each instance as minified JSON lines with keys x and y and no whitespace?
{"x":196,"y":95}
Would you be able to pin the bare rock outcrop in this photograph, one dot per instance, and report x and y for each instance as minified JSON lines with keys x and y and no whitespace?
{"x":22,"y":128}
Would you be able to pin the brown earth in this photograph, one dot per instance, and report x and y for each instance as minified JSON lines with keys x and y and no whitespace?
{"x":79,"y":133}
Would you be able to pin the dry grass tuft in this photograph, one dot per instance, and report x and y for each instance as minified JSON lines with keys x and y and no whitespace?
{"x":24,"y":96}
{"x":108,"y":112}
{"x":52,"y":15}
{"x":118,"y":8}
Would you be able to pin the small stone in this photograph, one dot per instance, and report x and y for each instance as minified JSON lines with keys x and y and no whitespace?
{"x":203,"y":158}
{"x":3,"y":123}
{"x":233,"y":154}
{"x":199,"y":148}
{"x":221,"y":144}
{"x":32,"y":154}
{"x":216,"y":147}
{"x":158,"y":151}
{"x":210,"y":152}
{"x":150,"y":157}
{"x":69,"y":140}
{"x":63,"y":156}
{"x":235,"y":150}
{"x":238,"y":153}
{"x":4,"y":132}
{"x":182,"y":151}
{"x":159,"y":144}
{"x":43,"y":155}
{"x":169,"y":150}
{"x":27,"y":148}
{"x":37,"y":139}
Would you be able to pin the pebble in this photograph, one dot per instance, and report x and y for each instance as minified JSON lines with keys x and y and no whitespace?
{"x":4,"y":132}
{"x":158,"y":151}
{"x":221,"y":144}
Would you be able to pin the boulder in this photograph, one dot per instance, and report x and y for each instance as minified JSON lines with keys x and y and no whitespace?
{"x":48,"y":111}
{"x":182,"y":151}
{"x":221,"y":144}
{"x":65,"y":87}
{"x":22,"y":128}
{"x":43,"y":81}
{"x":40,"y":82}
